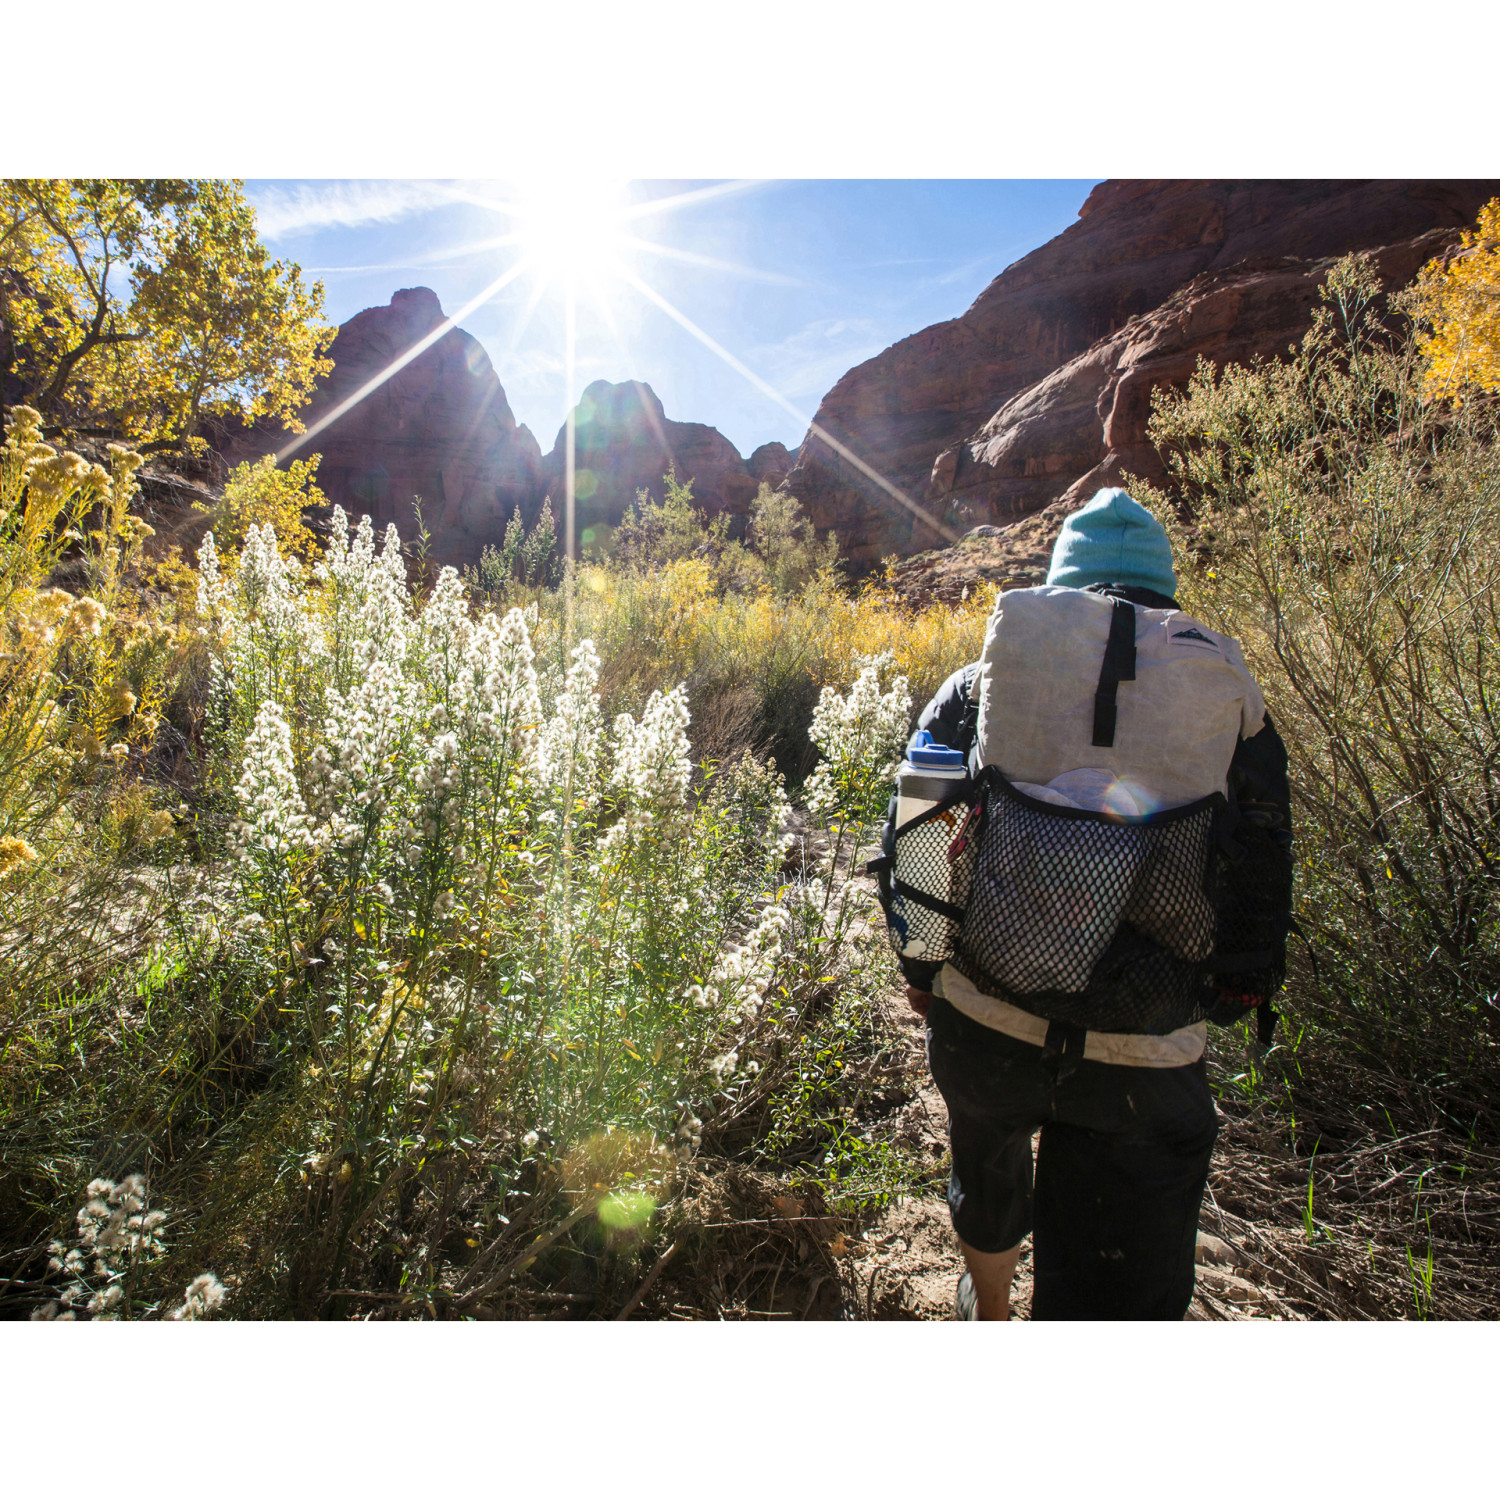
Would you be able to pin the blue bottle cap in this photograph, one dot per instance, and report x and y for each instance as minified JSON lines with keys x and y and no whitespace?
{"x":930,"y":757}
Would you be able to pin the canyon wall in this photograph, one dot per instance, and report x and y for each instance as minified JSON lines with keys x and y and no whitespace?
{"x":1044,"y":383}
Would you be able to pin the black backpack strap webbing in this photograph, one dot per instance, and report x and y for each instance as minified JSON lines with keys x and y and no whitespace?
{"x":968,"y":727}
{"x":1118,"y":667}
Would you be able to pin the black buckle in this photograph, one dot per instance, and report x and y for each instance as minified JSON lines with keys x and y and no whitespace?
{"x":1063,"y":1040}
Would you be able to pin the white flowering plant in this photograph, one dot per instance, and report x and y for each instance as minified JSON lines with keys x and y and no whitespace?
{"x":118,"y":1235}
{"x":471,"y":965}
{"x":832,"y":958}
{"x":491,"y":925}
{"x":860,"y":735}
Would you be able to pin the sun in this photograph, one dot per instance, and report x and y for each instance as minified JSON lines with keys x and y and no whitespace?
{"x":571,"y":229}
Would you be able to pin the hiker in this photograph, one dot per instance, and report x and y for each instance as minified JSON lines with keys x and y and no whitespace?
{"x":1096,"y":702}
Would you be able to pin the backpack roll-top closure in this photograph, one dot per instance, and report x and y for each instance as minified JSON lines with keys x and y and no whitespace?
{"x":1070,"y":679}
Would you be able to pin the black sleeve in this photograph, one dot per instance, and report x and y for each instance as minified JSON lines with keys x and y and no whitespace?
{"x":1258,"y":774}
{"x":944,"y":718}
{"x":947,"y":720}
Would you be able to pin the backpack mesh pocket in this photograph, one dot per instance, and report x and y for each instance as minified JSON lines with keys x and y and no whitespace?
{"x":934,"y":868}
{"x":1100,"y":921}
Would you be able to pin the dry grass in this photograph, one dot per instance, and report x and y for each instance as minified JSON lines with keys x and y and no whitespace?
{"x":755,"y":663}
{"x":1378,"y":1210}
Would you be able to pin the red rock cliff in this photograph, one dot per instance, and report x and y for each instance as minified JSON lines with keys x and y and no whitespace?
{"x":996,"y":414}
{"x":439,"y":428}
{"x":624,"y":441}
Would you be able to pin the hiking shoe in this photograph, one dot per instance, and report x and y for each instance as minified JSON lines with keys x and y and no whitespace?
{"x":966,"y":1300}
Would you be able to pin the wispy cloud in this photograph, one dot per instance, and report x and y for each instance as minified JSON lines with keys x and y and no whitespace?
{"x":416,"y":264}
{"x":963,"y":271}
{"x":809,"y":361}
{"x":900,"y":260}
{"x":283,"y":212}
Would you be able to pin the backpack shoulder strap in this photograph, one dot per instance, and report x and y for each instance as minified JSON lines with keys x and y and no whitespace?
{"x":968,"y":726}
{"x":1118,"y":667}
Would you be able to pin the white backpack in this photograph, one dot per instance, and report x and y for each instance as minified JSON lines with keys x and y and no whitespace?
{"x":1095,"y":890}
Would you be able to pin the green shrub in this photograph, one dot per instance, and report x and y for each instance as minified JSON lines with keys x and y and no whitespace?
{"x":527,"y":559}
{"x":1348,"y":534}
{"x":785,"y":543}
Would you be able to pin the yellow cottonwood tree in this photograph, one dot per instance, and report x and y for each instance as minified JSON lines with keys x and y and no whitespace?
{"x":1461,"y":301}
{"x":147,"y":308}
{"x":260,"y":494}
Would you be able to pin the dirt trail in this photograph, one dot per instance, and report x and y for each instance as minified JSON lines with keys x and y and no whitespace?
{"x":906,"y":1265}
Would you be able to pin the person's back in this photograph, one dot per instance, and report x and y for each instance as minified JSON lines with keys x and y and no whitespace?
{"x":1107,"y":719}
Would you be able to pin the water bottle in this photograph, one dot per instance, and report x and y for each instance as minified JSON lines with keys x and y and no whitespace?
{"x":935,"y":853}
{"x":928,"y":776}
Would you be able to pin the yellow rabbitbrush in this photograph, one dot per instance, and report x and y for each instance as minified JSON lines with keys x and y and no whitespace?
{"x":83,"y":676}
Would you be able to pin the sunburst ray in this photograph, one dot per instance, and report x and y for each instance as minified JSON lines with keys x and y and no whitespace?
{"x":709,"y":263}
{"x":766,"y":389}
{"x":399,"y":363}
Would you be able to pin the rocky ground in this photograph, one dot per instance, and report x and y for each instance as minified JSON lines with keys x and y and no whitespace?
{"x":1007,"y":557}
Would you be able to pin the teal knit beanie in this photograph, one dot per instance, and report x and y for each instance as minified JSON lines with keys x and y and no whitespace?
{"x":1113,"y":539}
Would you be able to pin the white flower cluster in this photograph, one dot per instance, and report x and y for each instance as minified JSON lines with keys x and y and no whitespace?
{"x":202,"y":1296}
{"x":269,"y":594}
{"x":758,"y":789}
{"x":353,"y":773}
{"x":214,"y":592}
{"x":431,"y":723}
{"x":653,"y":761}
{"x":744,"y":969}
{"x":861,"y":736}
{"x":689,"y":1137}
{"x":652,"y":769}
{"x":115,"y":1231}
{"x":567,"y":751}
{"x":273,"y":820}
{"x":437,"y":784}
{"x":368,"y":603}
{"x":497,"y":689}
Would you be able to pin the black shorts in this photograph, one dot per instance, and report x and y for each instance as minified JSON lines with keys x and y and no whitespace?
{"x":1120,"y":1169}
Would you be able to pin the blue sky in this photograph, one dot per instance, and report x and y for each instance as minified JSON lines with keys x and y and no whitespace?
{"x":813,"y":276}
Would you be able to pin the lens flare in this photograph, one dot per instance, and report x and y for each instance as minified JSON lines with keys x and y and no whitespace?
{"x":570,"y":228}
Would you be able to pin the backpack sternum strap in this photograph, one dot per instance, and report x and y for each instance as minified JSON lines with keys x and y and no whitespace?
{"x":1118,"y":667}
